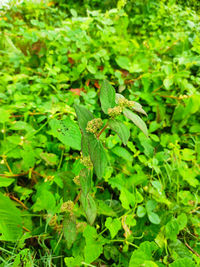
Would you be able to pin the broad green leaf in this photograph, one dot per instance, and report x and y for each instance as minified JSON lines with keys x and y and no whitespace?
{"x":182,"y":221}
{"x":84,"y":116}
{"x":168,"y":82}
{"x":160,"y":240}
{"x":153,"y":217}
{"x":69,"y":229}
{"x":188,"y":154}
{"x":44,"y":199}
{"x":143,"y":254}
{"x":179,"y":249}
{"x":84,"y":144}
{"x":92,"y":251}
{"x":123,"y":62}
{"x":104,"y":209}
{"x":195,"y":128}
{"x":113,"y":225}
{"x":10,"y":220}
{"x":94,"y":246}
{"x":4,"y":115}
{"x":149,"y":264}
{"x":130,"y":220}
{"x":137,"y":107}
{"x":73,"y":262}
{"x":91,"y":69}
{"x":147,"y":144}
{"x":184,"y":262}
{"x":50,"y":158}
{"x":141,"y":211}
{"x":172,"y":229}
{"x":121,"y":129}
{"x":69,"y":191}
{"x":4,"y":182}
{"x":127,"y":198}
{"x":123,"y":153}
{"x":97,"y":155}
{"x":137,"y":121}
{"x":67,"y":132}
{"x":151,"y":205}
{"x":107,"y":96}
{"x":85,"y":181}
{"x":28,"y":156}
{"x":10,"y":45}
{"x":89,"y":207}
{"x":22,"y":125}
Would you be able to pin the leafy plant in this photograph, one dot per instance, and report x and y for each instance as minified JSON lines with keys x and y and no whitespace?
{"x":92,"y":148}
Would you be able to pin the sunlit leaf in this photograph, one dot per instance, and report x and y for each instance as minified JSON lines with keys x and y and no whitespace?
{"x":121,"y":129}
{"x":137,"y":121}
{"x":89,"y":207}
{"x":84,"y":116}
{"x":10,"y":220}
{"x":67,"y":131}
{"x":107,"y":96}
{"x":97,"y":155}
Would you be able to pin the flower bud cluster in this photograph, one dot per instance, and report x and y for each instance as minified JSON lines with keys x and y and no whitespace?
{"x":67,"y":206}
{"x":49,"y":178}
{"x":77,"y":180}
{"x":131,"y":104}
{"x":53,"y":221}
{"x":58,"y":227}
{"x":86,"y":161}
{"x":113,"y":112}
{"x":94,"y":125}
{"x":123,"y":102}
{"x":183,"y":96}
{"x":81,"y":226}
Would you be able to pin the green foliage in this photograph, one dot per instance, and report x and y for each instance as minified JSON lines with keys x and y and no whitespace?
{"x":11,"y":226}
{"x":82,"y":181}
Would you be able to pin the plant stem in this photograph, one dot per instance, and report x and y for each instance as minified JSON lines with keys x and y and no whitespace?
{"x":191,"y":249}
{"x":102,"y":130}
{"x":61,"y":159}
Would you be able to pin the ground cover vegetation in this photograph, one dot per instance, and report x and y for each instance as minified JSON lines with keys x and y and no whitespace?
{"x":82,"y":180}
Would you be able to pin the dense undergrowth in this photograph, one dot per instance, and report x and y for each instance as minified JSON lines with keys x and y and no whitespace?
{"x":144,"y":209}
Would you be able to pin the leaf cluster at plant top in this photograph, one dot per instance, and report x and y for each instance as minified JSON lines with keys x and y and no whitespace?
{"x":76,"y":78}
